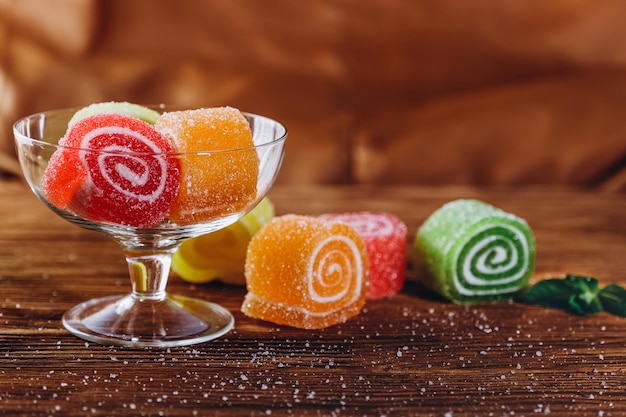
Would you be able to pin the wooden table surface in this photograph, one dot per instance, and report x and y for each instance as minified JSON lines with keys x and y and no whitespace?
{"x":412,"y":354}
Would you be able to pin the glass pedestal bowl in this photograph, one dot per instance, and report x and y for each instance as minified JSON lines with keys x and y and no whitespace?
{"x":149,"y":316}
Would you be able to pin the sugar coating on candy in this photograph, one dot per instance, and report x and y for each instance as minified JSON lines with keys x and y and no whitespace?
{"x":125,"y":171}
{"x":305,"y":272}
{"x":385,"y":239}
{"x":221,"y":182}
{"x":63,"y":178}
{"x":471,"y":252}
{"x":121,"y":107}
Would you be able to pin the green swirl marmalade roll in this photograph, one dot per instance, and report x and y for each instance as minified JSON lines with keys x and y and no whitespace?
{"x":471,"y":252}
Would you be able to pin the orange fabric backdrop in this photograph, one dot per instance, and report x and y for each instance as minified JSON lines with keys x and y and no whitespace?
{"x":423,"y":92}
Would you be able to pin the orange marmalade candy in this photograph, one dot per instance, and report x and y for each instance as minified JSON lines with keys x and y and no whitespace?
{"x":305,"y":272}
{"x":221,"y":182}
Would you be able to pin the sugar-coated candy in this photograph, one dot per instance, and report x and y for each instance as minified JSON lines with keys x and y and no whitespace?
{"x":137,"y":111}
{"x":63,"y":178}
{"x":221,"y":255}
{"x":471,"y":252}
{"x":119,"y":170}
{"x":305,"y":272}
{"x":385,"y":239}
{"x":224,"y":180}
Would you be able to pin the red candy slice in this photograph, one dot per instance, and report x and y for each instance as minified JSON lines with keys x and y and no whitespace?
{"x":126,"y":168}
{"x":63,"y":178}
{"x":385,"y":240}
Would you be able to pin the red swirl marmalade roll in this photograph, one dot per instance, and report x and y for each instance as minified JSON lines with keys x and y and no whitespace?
{"x":117,"y":169}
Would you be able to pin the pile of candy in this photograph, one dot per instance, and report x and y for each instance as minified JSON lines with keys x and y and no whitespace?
{"x":308,"y":272}
{"x":129,"y":165}
{"x":126,"y":164}
{"x":313,"y":272}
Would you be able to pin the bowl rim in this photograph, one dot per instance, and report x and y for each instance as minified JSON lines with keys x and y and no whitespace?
{"x":69,"y":111}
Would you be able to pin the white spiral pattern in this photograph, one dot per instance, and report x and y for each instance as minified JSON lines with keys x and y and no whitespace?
{"x":135,"y":170}
{"x":329,"y":268}
{"x":493,"y":262}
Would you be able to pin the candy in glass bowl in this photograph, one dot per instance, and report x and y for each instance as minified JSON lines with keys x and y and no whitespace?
{"x":149,"y":178}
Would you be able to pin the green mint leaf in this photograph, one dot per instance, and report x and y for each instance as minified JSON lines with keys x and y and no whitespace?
{"x":585,"y":300}
{"x":575,"y":294}
{"x":585,"y":305}
{"x":613,"y":299}
{"x":553,"y":292}
{"x":583,"y":283}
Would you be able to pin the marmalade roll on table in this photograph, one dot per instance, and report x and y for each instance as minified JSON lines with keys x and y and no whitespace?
{"x":471,"y":252}
{"x":225,"y":185}
{"x":305,"y":272}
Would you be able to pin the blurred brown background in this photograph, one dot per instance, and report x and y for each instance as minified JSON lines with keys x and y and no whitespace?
{"x":372,"y":91}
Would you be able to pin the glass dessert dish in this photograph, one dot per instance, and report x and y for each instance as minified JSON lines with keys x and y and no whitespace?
{"x":149,"y":316}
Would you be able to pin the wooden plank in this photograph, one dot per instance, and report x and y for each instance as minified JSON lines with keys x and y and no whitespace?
{"x":411,"y":354}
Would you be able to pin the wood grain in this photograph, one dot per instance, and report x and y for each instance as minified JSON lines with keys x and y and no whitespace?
{"x":413,"y":354}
